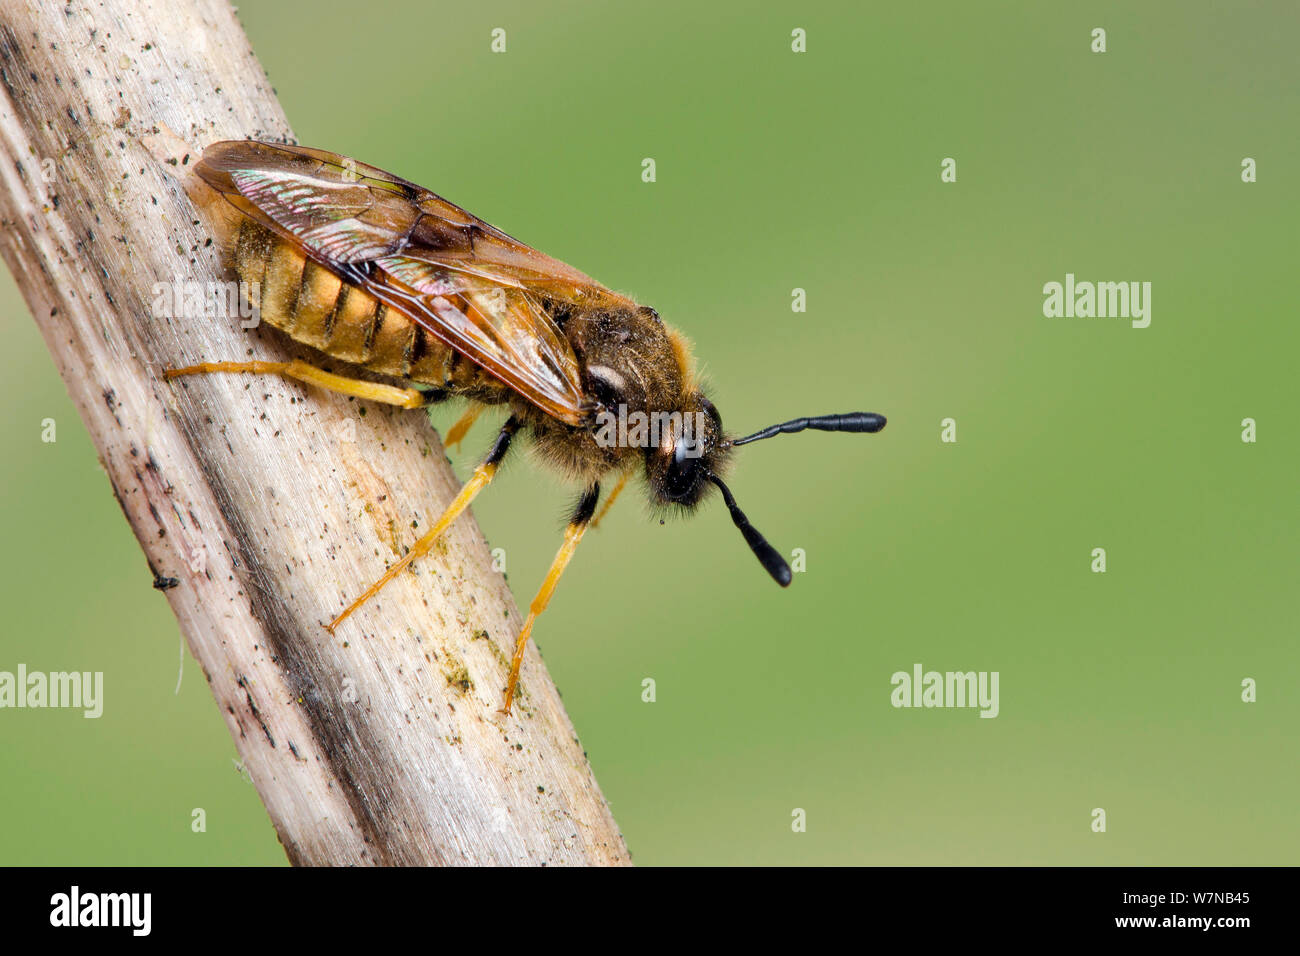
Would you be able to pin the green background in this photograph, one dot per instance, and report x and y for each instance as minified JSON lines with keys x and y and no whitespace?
{"x":820,"y":171}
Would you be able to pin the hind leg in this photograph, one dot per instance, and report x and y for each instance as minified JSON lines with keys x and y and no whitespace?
{"x":358,"y":388}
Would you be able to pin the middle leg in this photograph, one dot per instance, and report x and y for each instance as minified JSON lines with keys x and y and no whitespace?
{"x":483,"y":474}
{"x":456,"y":434}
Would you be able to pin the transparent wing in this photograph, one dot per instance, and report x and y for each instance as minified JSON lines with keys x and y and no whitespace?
{"x":466,"y":282}
{"x":351,"y":212}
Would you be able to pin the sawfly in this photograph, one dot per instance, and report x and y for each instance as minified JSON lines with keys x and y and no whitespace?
{"x":381,"y":273}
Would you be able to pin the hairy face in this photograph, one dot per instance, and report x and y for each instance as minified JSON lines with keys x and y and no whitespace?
{"x":690,"y":448}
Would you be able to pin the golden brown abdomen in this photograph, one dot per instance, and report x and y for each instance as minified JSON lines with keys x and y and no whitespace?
{"x":314,"y":306}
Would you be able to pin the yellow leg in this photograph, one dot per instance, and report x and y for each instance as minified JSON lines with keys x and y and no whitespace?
{"x":572,"y":535}
{"x":371,"y":391}
{"x":456,"y":434}
{"x":483,"y":474}
{"x":613,"y":496}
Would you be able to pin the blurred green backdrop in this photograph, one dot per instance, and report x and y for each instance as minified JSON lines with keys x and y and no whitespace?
{"x":820,"y":171}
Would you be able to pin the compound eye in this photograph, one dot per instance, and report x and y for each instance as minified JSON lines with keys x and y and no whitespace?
{"x":686,"y":468}
{"x":709,"y":409}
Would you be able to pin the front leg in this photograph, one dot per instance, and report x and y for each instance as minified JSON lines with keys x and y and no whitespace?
{"x":572,"y":535}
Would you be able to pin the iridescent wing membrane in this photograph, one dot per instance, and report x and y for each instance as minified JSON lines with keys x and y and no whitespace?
{"x":467,"y":283}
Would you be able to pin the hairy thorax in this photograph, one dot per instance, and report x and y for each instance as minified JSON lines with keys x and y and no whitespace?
{"x":632,"y":364}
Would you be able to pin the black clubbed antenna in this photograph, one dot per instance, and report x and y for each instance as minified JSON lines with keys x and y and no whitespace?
{"x":848,"y":422}
{"x":767,"y":555}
